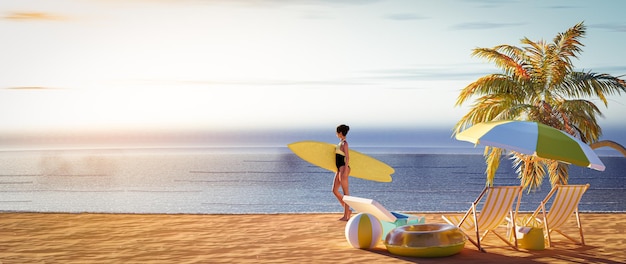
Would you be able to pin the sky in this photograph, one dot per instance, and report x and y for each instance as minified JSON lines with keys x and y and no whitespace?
{"x":133,"y":70}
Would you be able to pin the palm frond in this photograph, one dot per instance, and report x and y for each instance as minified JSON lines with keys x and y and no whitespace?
{"x":529,"y":170}
{"x":492,"y":159}
{"x":581,"y":116}
{"x":488,"y":108}
{"x":507,"y":64}
{"x":568,"y":42}
{"x":492,"y":83}
{"x":558,"y":172}
{"x":589,"y":84}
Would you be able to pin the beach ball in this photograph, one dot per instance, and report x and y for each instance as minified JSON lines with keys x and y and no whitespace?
{"x":363,"y":231}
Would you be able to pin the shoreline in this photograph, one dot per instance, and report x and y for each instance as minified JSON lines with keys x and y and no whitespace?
{"x":260,"y":238}
{"x":271,"y":149}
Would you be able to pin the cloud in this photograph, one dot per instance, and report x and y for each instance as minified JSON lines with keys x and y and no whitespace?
{"x":251,"y":82}
{"x":610,"y":27}
{"x":404,"y":16}
{"x":317,"y":15}
{"x":492,"y":3}
{"x":276,"y":3}
{"x":29,"y":88}
{"x":435,"y":72}
{"x":562,"y":7}
{"x":325,"y":2}
{"x":483,"y":25}
{"x":284,"y":82}
{"x":32,"y":16}
{"x":566,"y":5}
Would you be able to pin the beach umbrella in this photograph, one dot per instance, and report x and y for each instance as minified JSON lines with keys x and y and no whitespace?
{"x":532,"y":138}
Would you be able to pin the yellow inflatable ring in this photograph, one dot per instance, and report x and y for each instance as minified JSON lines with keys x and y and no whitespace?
{"x":425,"y":240}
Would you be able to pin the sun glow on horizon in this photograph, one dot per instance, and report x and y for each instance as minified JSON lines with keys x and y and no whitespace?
{"x":227,"y":65}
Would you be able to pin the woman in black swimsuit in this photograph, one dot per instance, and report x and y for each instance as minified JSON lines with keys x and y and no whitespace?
{"x":342,"y":160}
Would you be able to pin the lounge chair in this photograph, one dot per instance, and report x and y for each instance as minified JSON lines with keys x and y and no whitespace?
{"x":564,"y":204}
{"x":389,"y":220}
{"x":496,"y":207}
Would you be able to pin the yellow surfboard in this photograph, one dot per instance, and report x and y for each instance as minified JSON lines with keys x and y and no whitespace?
{"x":361,"y":166}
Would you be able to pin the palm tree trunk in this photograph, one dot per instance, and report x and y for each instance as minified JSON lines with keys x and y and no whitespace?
{"x":609,"y":143}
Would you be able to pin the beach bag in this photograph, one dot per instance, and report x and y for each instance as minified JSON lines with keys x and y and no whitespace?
{"x":530,"y":236}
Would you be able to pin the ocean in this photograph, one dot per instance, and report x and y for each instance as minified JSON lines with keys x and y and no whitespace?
{"x":262,"y":180}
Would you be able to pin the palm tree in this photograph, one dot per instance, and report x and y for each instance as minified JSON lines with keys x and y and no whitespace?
{"x":538,"y":83}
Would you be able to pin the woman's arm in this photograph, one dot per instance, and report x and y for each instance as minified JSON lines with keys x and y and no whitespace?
{"x":345,"y":149}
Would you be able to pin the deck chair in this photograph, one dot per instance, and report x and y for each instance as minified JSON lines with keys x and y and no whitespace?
{"x":564,"y":204}
{"x":388,"y":220}
{"x":496,"y":207}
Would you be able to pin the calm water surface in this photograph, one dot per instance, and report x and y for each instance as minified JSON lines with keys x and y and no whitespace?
{"x":268,"y":181}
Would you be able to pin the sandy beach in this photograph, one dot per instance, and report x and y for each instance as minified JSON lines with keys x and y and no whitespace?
{"x":270,"y":238}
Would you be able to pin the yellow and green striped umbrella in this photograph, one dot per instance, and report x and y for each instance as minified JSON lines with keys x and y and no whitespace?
{"x":532,"y":138}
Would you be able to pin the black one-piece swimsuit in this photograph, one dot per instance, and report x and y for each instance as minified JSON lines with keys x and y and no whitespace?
{"x":340,"y":160}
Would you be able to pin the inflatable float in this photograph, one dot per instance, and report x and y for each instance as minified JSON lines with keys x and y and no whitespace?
{"x":389,"y":220}
{"x":426,"y":240}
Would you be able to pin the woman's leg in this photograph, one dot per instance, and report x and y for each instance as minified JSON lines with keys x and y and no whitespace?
{"x":345,"y":187}
{"x":336,"y":185}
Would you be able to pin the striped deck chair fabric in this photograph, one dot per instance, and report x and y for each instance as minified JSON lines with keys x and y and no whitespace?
{"x":497,"y":206}
{"x":564,"y":205}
